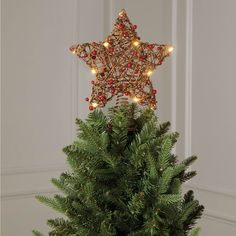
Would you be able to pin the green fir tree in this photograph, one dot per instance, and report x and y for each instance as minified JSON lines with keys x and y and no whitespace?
{"x":124,"y":180}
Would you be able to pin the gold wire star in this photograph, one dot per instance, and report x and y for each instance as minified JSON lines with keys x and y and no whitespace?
{"x":122,"y":65}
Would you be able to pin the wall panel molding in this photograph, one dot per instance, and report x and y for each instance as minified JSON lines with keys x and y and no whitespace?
{"x":219,"y":201}
{"x":218,"y":217}
{"x":173,"y":66}
{"x":188,"y":78}
{"x":32,"y":169}
{"x":29,"y":194}
{"x":227,"y":193}
{"x":212,"y":199}
{"x":74,"y":72}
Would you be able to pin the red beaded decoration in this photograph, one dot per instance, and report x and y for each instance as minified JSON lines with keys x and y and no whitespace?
{"x":122,"y":64}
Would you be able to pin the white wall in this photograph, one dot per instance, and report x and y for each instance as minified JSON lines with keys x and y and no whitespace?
{"x":213,"y":112}
{"x":43,"y":90}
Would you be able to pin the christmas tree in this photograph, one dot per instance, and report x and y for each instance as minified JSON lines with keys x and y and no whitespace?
{"x":124,"y":179}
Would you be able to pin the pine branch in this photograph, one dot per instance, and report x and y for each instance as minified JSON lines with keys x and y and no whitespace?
{"x":51,"y":203}
{"x":136,"y":204}
{"x":187,"y":210}
{"x":37,"y":233}
{"x":187,"y":176}
{"x":65,"y":188}
{"x":194,"y":216}
{"x":195,"y":232}
{"x":169,"y":198}
{"x":91,"y":136}
{"x":98,"y":120}
{"x":163,"y":129}
{"x":165,"y":179}
{"x":188,"y":197}
{"x":189,"y":161}
{"x":151,"y":165}
{"x":164,"y":156}
{"x":148,"y":131}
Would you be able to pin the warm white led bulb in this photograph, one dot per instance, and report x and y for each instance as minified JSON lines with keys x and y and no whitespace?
{"x":121,"y":13}
{"x":136,"y":43}
{"x":170,"y":49}
{"x":136,"y":99}
{"x":93,"y":71}
{"x":94,"y":104}
{"x":106,"y":44}
{"x":149,"y":72}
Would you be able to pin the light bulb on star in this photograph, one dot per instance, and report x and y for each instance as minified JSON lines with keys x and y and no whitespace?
{"x":106,"y":44}
{"x":170,"y":49}
{"x":136,"y":99}
{"x":94,"y":104}
{"x":149,"y":72}
{"x":93,"y":71}
{"x":122,"y":13}
{"x":136,"y":43}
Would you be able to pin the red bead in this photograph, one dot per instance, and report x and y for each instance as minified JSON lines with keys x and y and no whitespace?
{"x":110,"y":81}
{"x":86,"y":99}
{"x":91,"y":108}
{"x":135,"y":53}
{"x":121,"y":26}
{"x":101,"y":98}
{"x":94,"y":52}
{"x":92,"y":82}
{"x":141,"y":58}
{"x":129,"y":65}
{"x":134,"y":27}
{"x":159,"y":62}
{"x":113,"y":90}
{"x":126,"y":93}
{"x":154,"y":91}
{"x":111,"y":49}
{"x":126,"y":85}
{"x":159,"y":48}
{"x":72,"y":49}
{"x":85,"y":54}
{"x":150,"y":46}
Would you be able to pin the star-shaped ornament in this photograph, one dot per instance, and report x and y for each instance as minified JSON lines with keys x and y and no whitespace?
{"x":122,"y":65}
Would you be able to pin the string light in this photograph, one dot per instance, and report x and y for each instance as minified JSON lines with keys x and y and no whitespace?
{"x":94,"y":104}
{"x":136,"y":43}
{"x":106,"y":44}
{"x":136,"y":99}
{"x":170,"y":49}
{"x":121,"y":13}
{"x":149,"y":72}
{"x":93,"y":71}
{"x":73,"y":50}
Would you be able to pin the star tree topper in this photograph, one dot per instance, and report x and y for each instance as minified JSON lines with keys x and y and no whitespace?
{"x":122,"y":65}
